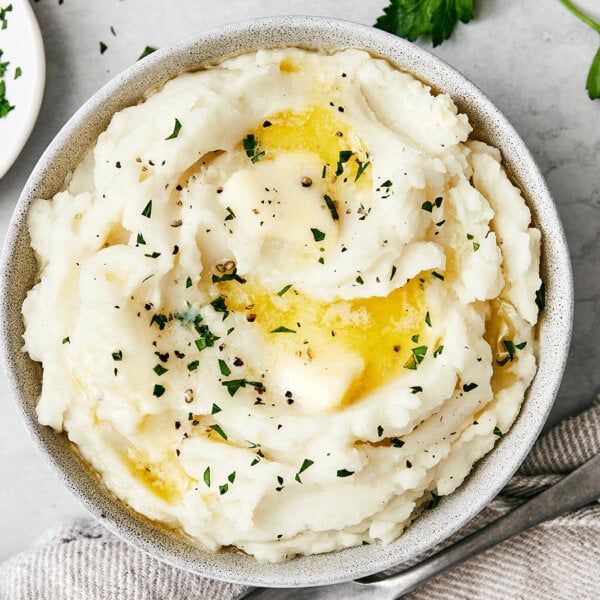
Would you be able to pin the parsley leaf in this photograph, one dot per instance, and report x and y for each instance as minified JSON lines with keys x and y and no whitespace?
{"x":593,"y":78}
{"x":436,"y":18}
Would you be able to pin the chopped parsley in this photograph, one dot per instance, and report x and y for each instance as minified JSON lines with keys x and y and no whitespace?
{"x":250,"y":144}
{"x":305,"y":464}
{"x":417,"y":356}
{"x":284,"y":289}
{"x":103,"y":47}
{"x":393,"y":272}
{"x":282,"y":329}
{"x":66,"y":340}
{"x":188,"y":282}
{"x":147,"y":212}
{"x":332,"y":209}
{"x":344,"y":157}
{"x":435,"y":500}
{"x":217,"y":428}
{"x":118,"y":355}
{"x":379,"y":430}
{"x":193,"y":365}
{"x":176,"y":130}
{"x":469,"y":386}
{"x":159,"y":390}
{"x":438,"y":351}
{"x":428,"y":319}
{"x":233,"y":276}
{"x":220,"y":306}
{"x":498,"y":432}
{"x":206,"y":476}
{"x":230,"y":214}
{"x":318,"y":236}
{"x":159,"y":369}
{"x":362,"y":167}
{"x":437,"y":275}
{"x":140,"y":240}
{"x":233,"y":385}
{"x":360,"y":280}
{"x":344,"y":473}
{"x":153,"y":255}
{"x":415,"y":389}
{"x":147,"y":50}
{"x":397,"y":442}
{"x":215,"y":409}
{"x":225,"y":370}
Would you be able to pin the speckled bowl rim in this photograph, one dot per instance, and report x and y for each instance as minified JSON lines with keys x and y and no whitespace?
{"x":489,"y":475}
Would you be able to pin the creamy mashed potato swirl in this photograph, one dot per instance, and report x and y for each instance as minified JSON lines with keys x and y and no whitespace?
{"x":291,"y":304}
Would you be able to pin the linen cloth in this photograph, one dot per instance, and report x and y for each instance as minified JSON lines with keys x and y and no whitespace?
{"x":557,"y":559}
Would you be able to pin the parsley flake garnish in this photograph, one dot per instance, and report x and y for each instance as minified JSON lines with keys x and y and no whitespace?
{"x":438,"y":351}
{"x":188,"y":283}
{"x":393,"y":272}
{"x":282,"y":329}
{"x":428,"y":319}
{"x":206,"y":476}
{"x":147,"y":212}
{"x":469,"y":386}
{"x":220,"y":306}
{"x":360,"y":280}
{"x":225,"y":370}
{"x":230,"y":214}
{"x":217,"y":428}
{"x":66,"y":340}
{"x":147,"y":50}
{"x":215,"y":409}
{"x":159,"y":370}
{"x":435,"y":500}
{"x":397,"y":442}
{"x":223,"y":489}
{"x":176,"y":130}
{"x":305,"y":464}
{"x":332,"y":209}
{"x":362,"y":167}
{"x":318,"y":236}
{"x":140,"y":240}
{"x":118,"y":355}
{"x":103,"y":47}
{"x":18,"y":72}
{"x":498,"y":432}
{"x":379,"y":430}
{"x":417,"y":356}
{"x":284,"y":289}
{"x":344,"y":473}
{"x":415,"y":389}
{"x":159,"y":390}
{"x":233,"y":385}
{"x":193,"y":365}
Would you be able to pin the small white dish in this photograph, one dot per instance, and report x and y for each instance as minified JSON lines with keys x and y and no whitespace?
{"x":22,"y":46}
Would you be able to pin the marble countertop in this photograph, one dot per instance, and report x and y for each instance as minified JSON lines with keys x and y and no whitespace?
{"x":530,"y":58}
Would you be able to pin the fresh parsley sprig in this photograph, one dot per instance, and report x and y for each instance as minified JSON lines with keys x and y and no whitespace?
{"x":593,"y":79}
{"x":436,"y":18}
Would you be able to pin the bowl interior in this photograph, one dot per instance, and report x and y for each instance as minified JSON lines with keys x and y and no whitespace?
{"x":490,"y":474}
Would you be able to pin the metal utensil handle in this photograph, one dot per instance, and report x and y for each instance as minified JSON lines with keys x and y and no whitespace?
{"x":575,"y":490}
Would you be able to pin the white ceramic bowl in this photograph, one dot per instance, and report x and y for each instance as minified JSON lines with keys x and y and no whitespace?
{"x":490,"y":474}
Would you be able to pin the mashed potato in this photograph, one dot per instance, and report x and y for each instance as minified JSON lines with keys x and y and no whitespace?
{"x":284,"y":303}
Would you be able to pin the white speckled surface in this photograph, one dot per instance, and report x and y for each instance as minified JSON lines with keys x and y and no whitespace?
{"x":533,"y":68}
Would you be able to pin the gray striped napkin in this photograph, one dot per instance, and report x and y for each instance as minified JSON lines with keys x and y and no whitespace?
{"x":557,"y":559}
